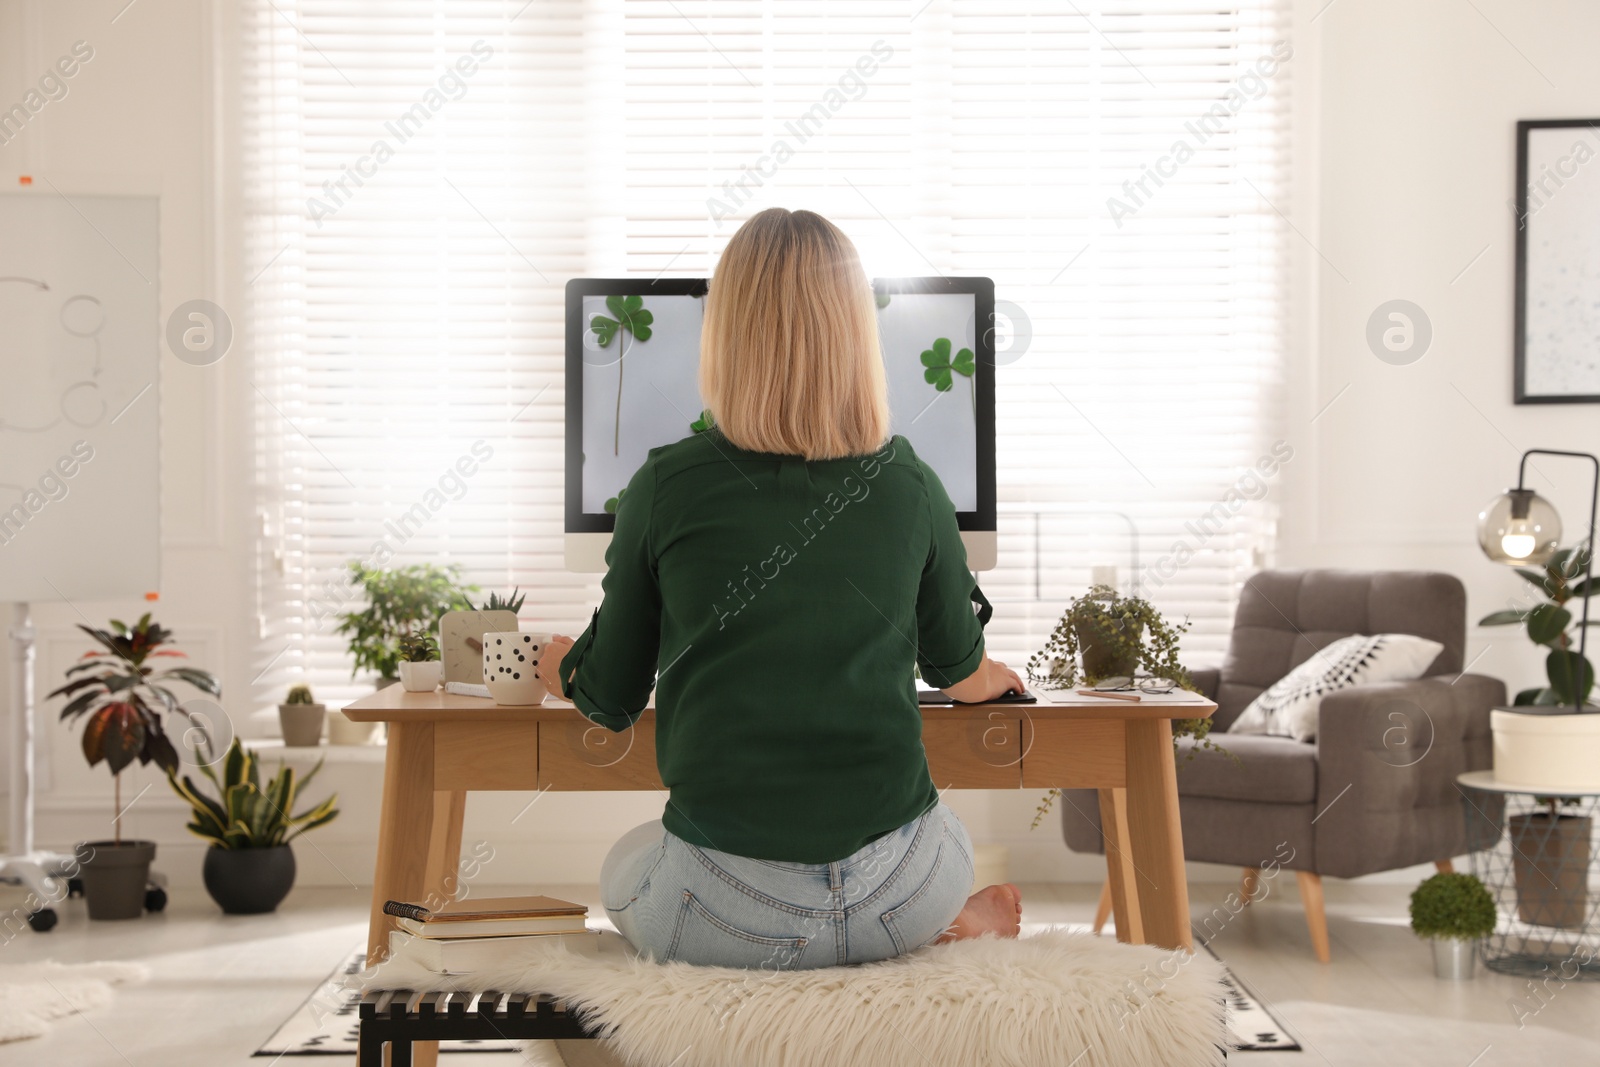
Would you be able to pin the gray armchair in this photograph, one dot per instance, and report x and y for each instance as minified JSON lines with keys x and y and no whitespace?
{"x":1376,"y":789}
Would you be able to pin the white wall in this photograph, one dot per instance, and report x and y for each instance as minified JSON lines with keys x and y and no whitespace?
{"x":1404,"y":165}
{"x":1409,"y":167}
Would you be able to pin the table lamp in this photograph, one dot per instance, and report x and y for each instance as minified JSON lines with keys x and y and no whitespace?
{"x":1520,"y":527}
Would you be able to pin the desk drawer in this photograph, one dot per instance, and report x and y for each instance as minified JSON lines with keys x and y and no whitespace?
{"x":976,"y":753}
{"x":1074,"y":754}
{"x":581,"y":755}
{"x":486,"y":755}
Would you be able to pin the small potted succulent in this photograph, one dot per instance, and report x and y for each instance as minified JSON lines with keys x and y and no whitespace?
{"x":420,"y":668}
{"x":250,"y":867}
{"x":301,"y":718}
{"x":121,"y":696}
{"x":1453,"y":912}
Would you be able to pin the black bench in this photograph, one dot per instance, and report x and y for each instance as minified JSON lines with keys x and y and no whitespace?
{"x":397,"y":1017}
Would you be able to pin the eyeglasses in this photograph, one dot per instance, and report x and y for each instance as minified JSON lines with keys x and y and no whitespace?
{"x":1143,"y":685}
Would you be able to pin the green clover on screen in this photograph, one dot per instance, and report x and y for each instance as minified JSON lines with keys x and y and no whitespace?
{"x":940,"y":365}
{"x":631,"y":317}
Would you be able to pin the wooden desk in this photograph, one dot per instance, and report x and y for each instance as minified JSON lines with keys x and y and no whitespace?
{"x":442,"y":745}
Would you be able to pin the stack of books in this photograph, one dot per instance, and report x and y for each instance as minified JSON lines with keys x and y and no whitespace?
{"x":465,"y":936}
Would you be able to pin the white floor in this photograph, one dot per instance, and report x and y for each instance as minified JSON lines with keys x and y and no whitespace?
{"x":221,"y":985}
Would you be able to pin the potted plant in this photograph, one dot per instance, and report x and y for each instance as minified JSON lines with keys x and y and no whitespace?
{"x":1102,"y":636}
{"x":1542,"y":740}
{"x":400,"y":601}
{"x":119,"y":694}
{"x":1550,"y":863}
{"x":249,"y":867}
{"x":1454,"y":912}
{"x":301,"y":718}
{"x":420,"y":669}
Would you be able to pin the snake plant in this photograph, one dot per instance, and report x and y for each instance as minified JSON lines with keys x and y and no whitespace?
{"x":246,"y":814}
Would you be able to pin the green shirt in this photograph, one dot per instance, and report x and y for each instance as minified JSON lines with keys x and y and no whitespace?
{"x":778,"y":606}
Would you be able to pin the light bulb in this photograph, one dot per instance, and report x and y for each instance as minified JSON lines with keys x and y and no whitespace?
{"x":1518,"y":544}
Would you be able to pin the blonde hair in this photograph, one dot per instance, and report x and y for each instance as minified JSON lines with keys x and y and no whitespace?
{"x":789,"y":356}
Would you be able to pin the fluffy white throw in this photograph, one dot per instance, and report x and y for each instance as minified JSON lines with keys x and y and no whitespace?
{"x":33,"y":995}
{"x":1049,"y":1000}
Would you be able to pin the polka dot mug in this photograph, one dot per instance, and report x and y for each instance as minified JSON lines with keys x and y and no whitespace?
{"x":510,"y":662}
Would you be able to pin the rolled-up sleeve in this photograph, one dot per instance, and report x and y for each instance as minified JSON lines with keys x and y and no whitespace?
{"x":610,"y":669}
{"x":949,"y":631}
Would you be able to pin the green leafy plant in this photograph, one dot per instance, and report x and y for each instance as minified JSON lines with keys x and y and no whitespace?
{"x":400,"y":601}
{"x":1102,"y":635}
{"x":1549,"y":624}
{"x":496,"y":602}
{"x":612,"y":503}
{"x":1455,"y":906}
{"x":941,"y":368}
{"x":631,"y":317}
{"x":245,"y":813}
{"x":705,"y":422}
{"x":299,"y":694}
{"x":124,"y":700}
{"x":418,"y":648}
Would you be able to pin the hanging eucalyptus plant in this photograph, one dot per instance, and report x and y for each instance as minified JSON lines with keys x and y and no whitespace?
{"x":1104,"y":635}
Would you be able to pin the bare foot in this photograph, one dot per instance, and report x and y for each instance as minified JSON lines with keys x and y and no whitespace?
{"x":996,"y":910}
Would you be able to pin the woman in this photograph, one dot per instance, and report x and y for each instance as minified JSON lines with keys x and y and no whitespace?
{"x":783,"y":573}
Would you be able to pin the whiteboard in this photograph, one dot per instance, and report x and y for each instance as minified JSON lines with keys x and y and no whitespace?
{"x":80,"y":500}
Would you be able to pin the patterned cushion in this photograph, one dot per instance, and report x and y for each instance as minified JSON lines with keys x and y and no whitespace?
{"x":1289,"y":707}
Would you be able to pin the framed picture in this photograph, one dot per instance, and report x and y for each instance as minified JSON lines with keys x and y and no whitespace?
{"x":1558,"y":262}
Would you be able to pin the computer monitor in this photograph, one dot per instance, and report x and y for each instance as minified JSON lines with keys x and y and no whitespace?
{"x":628,"y":393}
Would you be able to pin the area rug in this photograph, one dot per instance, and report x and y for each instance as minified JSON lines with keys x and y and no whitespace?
{"x":33,"y":995}
{"x":331,"y":1031}
{"x":1251,"y":1025}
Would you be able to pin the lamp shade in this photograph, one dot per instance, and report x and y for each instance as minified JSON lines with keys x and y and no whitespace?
{"x":1518,"y":527}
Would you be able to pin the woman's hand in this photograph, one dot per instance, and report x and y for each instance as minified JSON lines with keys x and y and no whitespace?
{"x":990,"y":680}
{"x":549,"y":669}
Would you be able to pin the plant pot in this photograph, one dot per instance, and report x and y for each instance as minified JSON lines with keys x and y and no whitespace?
{"x":1550,"y":863}
{"x":1101,"y":657}
{"x":345,"y":731}
{"x":302,"y":724}
{"x":1454,"y":960}
{"x":421,"y":677}
{"x":1547,"y":751}
{"x":248,"y":881}
{"x":115,"y":877}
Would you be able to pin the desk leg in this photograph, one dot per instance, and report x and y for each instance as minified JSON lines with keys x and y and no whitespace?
{"x":1155,"y":836}
{"x":1120,"y":875}
{"x":444,"y":845}
{"x":405,"y":828}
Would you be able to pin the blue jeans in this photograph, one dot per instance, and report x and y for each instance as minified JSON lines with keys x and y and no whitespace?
{"x":677,"y":901}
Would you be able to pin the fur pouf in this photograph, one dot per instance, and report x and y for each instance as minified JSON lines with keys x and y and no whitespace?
{"x":33,"y":995}
{"x":1049,"y":1000}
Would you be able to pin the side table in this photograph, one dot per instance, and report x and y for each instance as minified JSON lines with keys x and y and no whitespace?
{"x":1542,"y":872}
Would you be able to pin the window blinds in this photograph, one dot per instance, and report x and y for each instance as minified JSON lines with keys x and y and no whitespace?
{"x":421,"y":177}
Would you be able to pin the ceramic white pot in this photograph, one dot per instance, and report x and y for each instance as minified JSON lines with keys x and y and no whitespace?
{"x":421,"y":677}
{"x":509,"y":667}
{"x":344,"y":731}
{"x":1559,"y":752}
